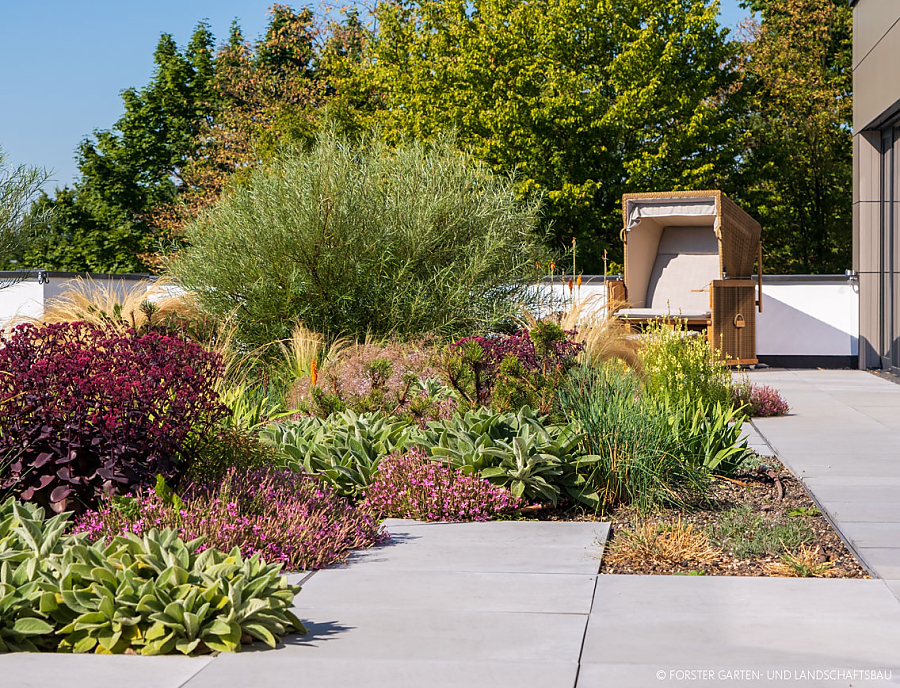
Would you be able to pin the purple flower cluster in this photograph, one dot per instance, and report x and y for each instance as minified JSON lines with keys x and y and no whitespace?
{"x":760,"y":400}
{"x":280,"y":515}
{"x":87,"y":410}
{"x":410,"y":485}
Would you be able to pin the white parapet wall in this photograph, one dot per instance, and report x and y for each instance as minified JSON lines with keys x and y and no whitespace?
{"x":806,"y":319}
{"x":24,"y":296}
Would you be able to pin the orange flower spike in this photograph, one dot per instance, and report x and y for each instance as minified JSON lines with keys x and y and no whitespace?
{"x":578,"y":281}
{"x":570,"y":284}
{"x":314,"y":372}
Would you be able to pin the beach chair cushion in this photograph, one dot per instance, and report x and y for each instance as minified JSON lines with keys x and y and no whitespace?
{"x":686,"y":262}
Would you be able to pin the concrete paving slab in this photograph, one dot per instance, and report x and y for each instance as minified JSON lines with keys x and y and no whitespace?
{"x":283,"y":670}
{"x":483,"y":558}
{"x":436,"y":591}
{"x":39,"y":670}
{"x":687,"y":622}
{"x":894,"y":587}
{"x":532,"y":533}
{"x":854,"y":493}
{"x":868,"y":512}
{"x":864,"y":534}
{"x":372,"y":634}
{"x":885,"y":561}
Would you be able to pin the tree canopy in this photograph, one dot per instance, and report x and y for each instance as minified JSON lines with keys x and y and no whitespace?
{"x":579,"y":101}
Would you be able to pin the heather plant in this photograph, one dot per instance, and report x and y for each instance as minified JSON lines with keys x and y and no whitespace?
{"x":410,"y":485}
{"x":274,"y":513}
{"x":351,"y":238}
{"x":151,"y":594}
{"x":638,"y":456}
{"x":681,"y":366}
{"x":85,"y":410}
{"x":758,"y":400}
{"x":507,"y":372}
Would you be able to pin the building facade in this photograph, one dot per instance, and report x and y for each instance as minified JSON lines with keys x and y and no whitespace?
{"x":876,"y":179}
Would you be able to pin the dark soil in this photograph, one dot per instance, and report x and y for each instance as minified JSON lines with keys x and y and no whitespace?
{"x":754,"y":488}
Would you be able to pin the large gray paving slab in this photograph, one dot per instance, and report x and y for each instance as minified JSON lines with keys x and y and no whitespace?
{"x":284,"y":670}
{"x":874,"y":490}
{"x":438,"y":591}
{"x":372,"y":634}
{"x":682,"y":622}
{"x":478,"y":558}
{"x":39,"y":670}
{"x":530,"y":533}
{"x":864,"y":534}
{"x":885,"y":561}
{"x":867,"y":512}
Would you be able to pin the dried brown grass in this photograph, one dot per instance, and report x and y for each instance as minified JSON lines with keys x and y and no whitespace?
{"x":652,"y":543}
{"x":806,"y":562}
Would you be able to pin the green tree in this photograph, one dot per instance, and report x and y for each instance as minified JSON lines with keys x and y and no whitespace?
{"x":102,"y":222}
{"x":583,"y":100}
{"x":19,"y":186}
{"x":797,"y":169}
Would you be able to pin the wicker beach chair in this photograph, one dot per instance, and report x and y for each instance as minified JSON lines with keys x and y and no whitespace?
{"x":691,"y":254}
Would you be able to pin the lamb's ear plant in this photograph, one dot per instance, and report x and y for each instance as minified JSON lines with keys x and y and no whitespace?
{"x":154,"y":594}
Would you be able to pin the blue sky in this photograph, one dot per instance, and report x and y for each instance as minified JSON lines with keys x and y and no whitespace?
{"x":64,"y":63}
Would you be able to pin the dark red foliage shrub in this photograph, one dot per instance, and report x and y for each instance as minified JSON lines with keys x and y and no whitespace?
{"x":84,"y":410}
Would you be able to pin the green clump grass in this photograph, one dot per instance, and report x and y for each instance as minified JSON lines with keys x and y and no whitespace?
{"x":749,"y":534}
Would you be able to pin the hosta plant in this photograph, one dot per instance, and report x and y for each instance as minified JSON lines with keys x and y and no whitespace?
{"x":344,"y":448}
{"x":154,"y":594}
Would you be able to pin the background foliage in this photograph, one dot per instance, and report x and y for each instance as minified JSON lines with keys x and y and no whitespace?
{"x":583,"y":101}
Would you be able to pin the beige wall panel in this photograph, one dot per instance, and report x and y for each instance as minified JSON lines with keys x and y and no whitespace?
{"x":871,"y":20}
{"x":868,"y":320}
{"x":867,"y":216}
{"x":876,"y":80}
{"x":866,"y":166}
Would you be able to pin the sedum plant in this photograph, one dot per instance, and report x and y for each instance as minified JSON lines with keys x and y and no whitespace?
{"x":154,"y":594}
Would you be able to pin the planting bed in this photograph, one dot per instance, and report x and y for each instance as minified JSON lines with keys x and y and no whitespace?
{"x":740,"y":509}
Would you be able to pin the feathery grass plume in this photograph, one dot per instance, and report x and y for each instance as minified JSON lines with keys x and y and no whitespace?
{"x":119,"y":306}
{"x":605,"y":338}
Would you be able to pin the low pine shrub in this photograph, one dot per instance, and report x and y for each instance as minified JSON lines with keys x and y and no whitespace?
{"x":395,"y":378}
{"x":86,"y":410}
{"x":507,"y":372}
{"x":276,"y":514}
{"x":151,"y":594}
{"x":759,"y":401}
{"x":410,"y":485}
